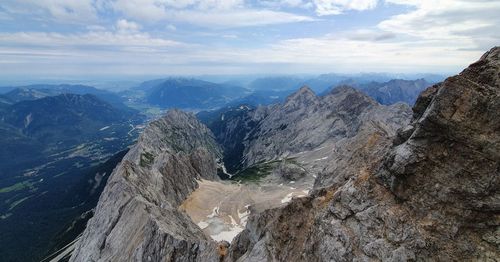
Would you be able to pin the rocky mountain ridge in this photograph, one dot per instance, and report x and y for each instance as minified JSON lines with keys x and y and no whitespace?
{"x":304,"y":122}
{"x":394,"y":91}
{"x":433,"y":196}
{"x":427,"y":192}
{"x":141,"y":198}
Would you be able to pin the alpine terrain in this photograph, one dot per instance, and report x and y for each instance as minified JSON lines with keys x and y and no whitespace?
{"x":337,"y":177}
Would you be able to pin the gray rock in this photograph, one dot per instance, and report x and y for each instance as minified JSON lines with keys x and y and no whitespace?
{"x":429,"y":192}
{"x":432,"y":196}
{"x":137,"y":217}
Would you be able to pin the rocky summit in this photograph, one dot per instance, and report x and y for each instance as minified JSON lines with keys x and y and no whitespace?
{"x":379,"y":183}
{"x":137,"y":217}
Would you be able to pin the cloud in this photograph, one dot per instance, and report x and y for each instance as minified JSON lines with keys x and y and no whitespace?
{"x":230,"y":36}
{"x":369,"y":35}
{"x":141,"y":37}
{"x":60,"y":10}
{"x":88,"y":40}
{"x":212,"y":13}
{"x":336,"y":7}
{"x":139,"y":53}
{"x":123,"y":25}
{"x":236,"y":18}
{"x":208,"y":13}
{"x":304,"y":4}
{"x":451,"y":21}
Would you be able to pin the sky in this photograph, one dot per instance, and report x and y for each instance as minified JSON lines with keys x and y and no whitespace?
{"x":86,"y":38}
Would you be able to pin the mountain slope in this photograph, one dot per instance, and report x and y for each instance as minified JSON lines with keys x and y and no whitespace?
{"x":138,"y":202}
{"x":395,"y":90}
{"x":426,"y":192}
{"x":190,"y":93}
{"x":50,"y":150}
{"x":302,"y":123}
{"x":33,"y":92}
{"x":433,"y":196}
{"x":59,"y":123}
{"x":63,"y":115}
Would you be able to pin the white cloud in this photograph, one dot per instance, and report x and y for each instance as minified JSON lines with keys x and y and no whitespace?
{"x":61,"y":10}
{"x":83,"y":40}
{"x":305,"y":4}
{"x":236,"y":18}
{"x":439,"y":36}
{"x":369,"y":35}
{"x":451,"y":21}
{"x":216,"y":13}
{"x":230,"y":36}
{"x":335,"y":7}
{"x":123,"y":25}
{"x":207,"y":13}
{"x":143,"y":54}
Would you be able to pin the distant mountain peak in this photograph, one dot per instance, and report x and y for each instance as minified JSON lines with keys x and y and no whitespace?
{"x":343,"y":89}
{"x":304,"y":95}
{"x":349,"y":91}
{"x":305,"y":90}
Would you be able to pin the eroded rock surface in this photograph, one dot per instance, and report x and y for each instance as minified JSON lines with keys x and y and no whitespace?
{"x":137,"y":217}
{"x":429,"y":192}
{"x":432,"y":196}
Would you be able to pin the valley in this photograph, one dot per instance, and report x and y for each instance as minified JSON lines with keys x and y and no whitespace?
{"x":321,"y":178}
{"x":274,"y":145}
{"x":249,"y":130}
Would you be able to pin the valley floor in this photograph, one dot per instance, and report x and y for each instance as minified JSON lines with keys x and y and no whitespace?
{"x":221,"y":208}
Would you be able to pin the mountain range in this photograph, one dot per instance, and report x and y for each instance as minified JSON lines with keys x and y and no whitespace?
{"x":195,"y":95}
{"x":32,"y":92}
{"x":185,"y":93}
{"x":393,"y":91}
{"x":338,"y":177}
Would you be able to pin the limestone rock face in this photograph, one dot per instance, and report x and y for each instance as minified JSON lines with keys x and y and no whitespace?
{"x":432,"y":195}
{"x":306,"y":121}
{"x":428,"y":192}
{"x":137,"y":217}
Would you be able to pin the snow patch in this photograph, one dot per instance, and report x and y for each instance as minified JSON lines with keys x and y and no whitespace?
{"x":227,"y":235}
{"x":287,"y":198}
{"x":203,"y":224}
{"x":215,"y":212}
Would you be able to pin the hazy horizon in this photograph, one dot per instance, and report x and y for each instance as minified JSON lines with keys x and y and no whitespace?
{"x":125,"y":82}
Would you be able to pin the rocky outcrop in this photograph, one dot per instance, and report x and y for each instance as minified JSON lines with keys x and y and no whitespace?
{"x":433,"y":195}
{"x":137,"y":217}
{"x":304,"y":122}
{"x":395,"y":90}
{"x":427,"y":192}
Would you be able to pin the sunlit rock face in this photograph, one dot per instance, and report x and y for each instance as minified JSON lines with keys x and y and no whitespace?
{"x":317,"y":179}
{"x":137,"y":216}
{"x":433,"y":195}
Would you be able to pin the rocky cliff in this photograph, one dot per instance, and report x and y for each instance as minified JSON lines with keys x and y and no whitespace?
{"x":427,"y":192}
{"x":433,"y":196}
{"x":303,"y":123}
{"x":137,"y":217}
